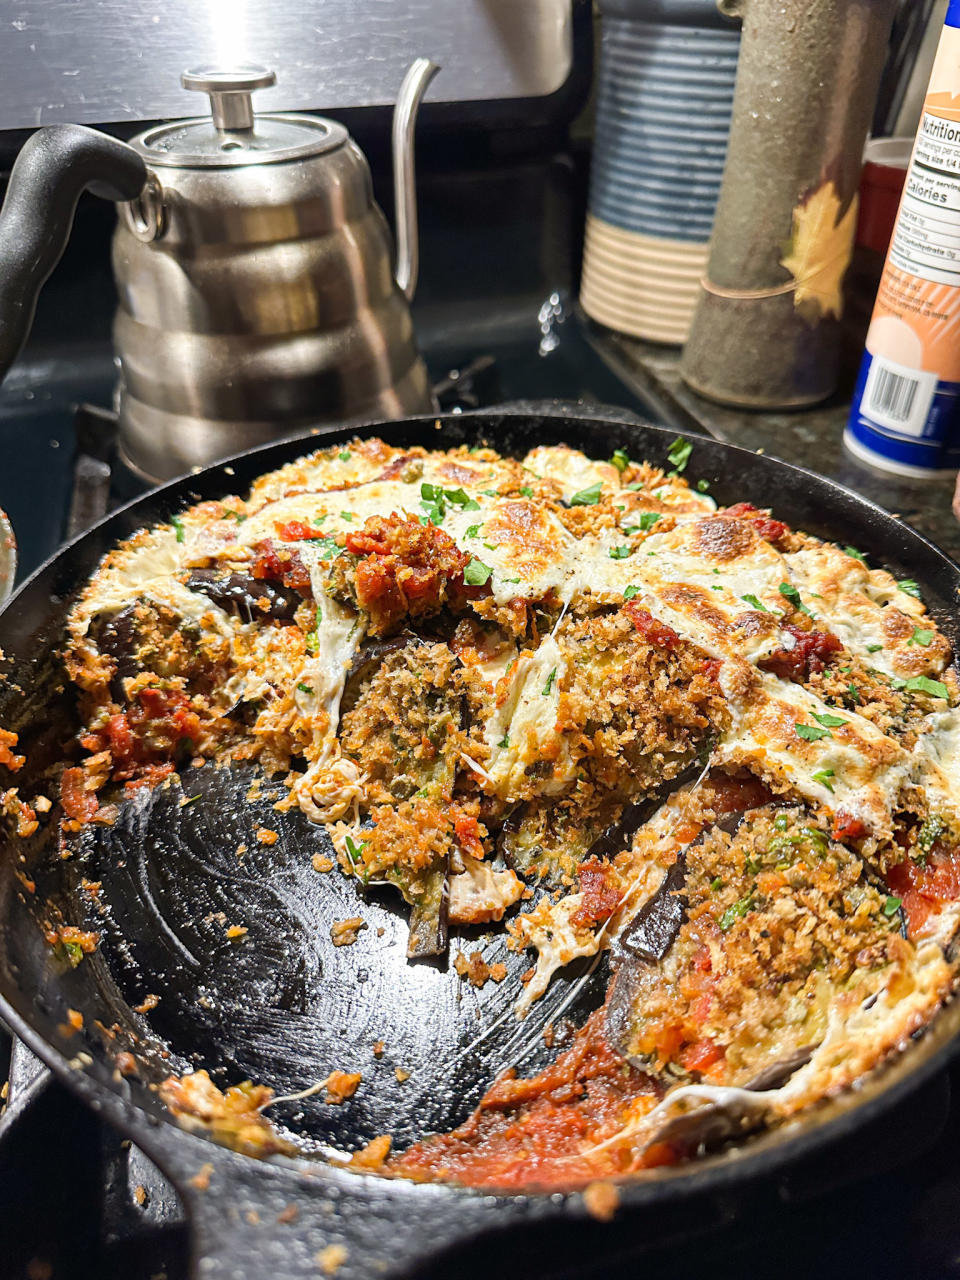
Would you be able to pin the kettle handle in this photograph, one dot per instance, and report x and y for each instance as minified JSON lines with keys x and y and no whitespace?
{"x":414,"y":86}
{"x":55,"y":165}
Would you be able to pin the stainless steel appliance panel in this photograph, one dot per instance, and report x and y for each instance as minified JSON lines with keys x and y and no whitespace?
{"x":97,"y":61}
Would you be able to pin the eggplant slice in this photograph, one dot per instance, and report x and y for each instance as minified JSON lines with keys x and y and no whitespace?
{"x":244,"y":596}
{"x":727,"y":974}
{"x":401,"y":709}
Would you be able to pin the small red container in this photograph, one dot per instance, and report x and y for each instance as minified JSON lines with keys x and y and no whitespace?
{"x":885,"y":162}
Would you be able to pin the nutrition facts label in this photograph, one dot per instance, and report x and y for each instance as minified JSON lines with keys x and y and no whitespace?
{"x":927,"y":238}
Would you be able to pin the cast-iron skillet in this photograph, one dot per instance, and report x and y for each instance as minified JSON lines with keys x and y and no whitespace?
{"x":283,"y":1006}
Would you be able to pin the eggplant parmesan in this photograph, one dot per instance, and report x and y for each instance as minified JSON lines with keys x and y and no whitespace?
{"x":579,"y":699}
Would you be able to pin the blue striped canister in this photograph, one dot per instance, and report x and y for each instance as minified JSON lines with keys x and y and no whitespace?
{"x":664,"y":101}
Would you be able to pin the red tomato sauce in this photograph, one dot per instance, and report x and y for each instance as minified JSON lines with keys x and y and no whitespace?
{"x":542,"y":1131}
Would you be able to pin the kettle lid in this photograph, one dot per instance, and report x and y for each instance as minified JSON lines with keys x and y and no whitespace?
{"x":232,"y":135}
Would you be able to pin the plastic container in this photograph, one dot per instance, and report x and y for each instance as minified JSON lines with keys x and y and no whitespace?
{"x":905,"y":416}
{"x":664,"y":99}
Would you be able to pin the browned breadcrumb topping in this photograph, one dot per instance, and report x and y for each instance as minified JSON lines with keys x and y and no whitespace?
{"x":266,"y":836}
{"x":780,"y":919}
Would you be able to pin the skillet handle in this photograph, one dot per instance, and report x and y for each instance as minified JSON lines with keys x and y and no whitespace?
{"x":54,"y":167}
{"x":250,"y":1219}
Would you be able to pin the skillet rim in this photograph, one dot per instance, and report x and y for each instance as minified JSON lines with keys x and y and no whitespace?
{"x":828,"y":1122}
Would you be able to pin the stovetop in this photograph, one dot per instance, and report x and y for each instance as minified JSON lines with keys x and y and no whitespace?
{"x":497,"y":323}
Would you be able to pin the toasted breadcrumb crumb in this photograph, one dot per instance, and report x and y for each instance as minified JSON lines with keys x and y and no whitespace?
{"x":343,"y":933}
{"x":601,"y":1200}
{"x":266,"y":836}
{"x":322,"y":863}
{"x":331,"y":1259}
{"x":342,"y":1085}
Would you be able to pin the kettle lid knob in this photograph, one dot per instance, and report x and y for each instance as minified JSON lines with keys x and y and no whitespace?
{"x":229,"y":89}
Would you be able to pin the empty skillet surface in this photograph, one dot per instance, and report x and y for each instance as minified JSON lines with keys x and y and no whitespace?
{"x":282,"y":1005}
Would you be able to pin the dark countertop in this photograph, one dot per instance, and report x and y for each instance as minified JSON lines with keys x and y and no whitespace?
{"x":809,"y":438}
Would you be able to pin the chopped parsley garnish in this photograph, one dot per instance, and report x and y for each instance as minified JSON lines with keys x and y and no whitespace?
{"x":525,"y":491}
{"x":909,"y":587}
{"x":793,"y":595}
{"x":317,"y":521}
{"x":781,"y":822}
{"x":434,"y":501}
{"x":678,"y":455}
{"x":620,"y":459}
{"x":619,"y":553}
{"x":930,"y":832}
{"x":549,"y":685}
{"x":823,"y":776}
{"x":329,"y":548}
{"x":477,"y":574}
{"x":305,"y":688}
{"x":827,"y":720}
{"x":472,"y":532}
{"x":857,"y":555}
{"x":346,"y":515}
{"x":891,"y":906}
{"x":504,"y":741}
{"x":630,"y":592}
{"x":923,"y":684}
{"x":716,"y":587}
{"x":491,"y":493}
{"x":874,"y":648}
{"x":344,"y":455}
{"x":178,"y":525}
{"x":854,"y":693}
{"x":920,"y":636}
{"x":313,"y":640}
{"x":188,"y":800}
{"x":736,"y":912}
{"x":703,"y":486}
{"x":757,"y":604}
{"x":630,"y":529}
{"x":716,"y":884}
{"x":462,"y":500}
{"x":811,"y":732}
{"x":355,"y":851}
{"x":587,"y":497}
{"x":647,"y":520}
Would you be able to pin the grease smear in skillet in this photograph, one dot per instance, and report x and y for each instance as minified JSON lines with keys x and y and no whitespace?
{"x":576,"y":698}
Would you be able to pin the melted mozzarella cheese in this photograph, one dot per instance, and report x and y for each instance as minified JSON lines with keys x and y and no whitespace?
{"x":522,"y":731}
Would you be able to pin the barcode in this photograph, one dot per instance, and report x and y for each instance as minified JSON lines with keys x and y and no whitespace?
{"x":893,"y":395}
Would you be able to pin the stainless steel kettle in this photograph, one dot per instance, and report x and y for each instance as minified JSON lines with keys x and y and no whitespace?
{"x":257,"y":292}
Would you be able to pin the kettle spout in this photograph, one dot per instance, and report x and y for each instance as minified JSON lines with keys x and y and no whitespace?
{"x":414,"y":86}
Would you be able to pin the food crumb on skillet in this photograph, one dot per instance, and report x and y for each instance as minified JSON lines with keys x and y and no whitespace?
{"x":601,"y":1199}
{"x":265,"y":835}
{"x":342,"y":1085}
{"x":344,"y":933}
{"x":331,"y":1258}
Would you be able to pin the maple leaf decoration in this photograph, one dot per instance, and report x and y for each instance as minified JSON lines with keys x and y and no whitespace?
{"x":819,"y":251}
